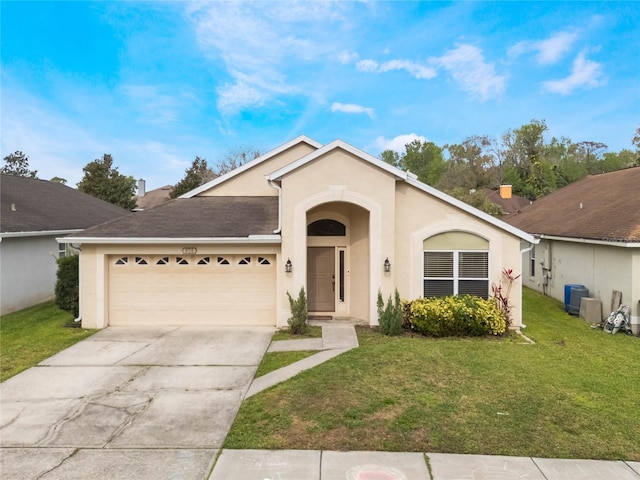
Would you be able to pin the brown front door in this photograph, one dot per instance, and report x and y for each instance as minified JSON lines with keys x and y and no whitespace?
{"x":321,"y":279}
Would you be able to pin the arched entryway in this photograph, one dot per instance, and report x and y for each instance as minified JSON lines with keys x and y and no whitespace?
{"x":338,"y":253}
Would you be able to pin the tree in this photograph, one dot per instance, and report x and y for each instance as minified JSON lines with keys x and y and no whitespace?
{"x":636,"y":143}
{"x":197,"y":174}
{"x":103,"y":181}
{"x":17,"y":164}
{"x":236,"y":158}
{"x":425,"y":159}
{"x":61,"y":180}
{"x":470,"y":165}
{"x":391,"y":157}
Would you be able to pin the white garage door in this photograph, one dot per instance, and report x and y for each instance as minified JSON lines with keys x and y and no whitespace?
{"x":192,"y":290}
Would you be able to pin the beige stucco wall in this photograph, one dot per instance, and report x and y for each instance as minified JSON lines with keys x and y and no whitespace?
{"x":341,"y":177}
{"x":252,"y":182}
{"x":94,"y":271}
{"x":600,"y":268}
{"x":419,"y":216}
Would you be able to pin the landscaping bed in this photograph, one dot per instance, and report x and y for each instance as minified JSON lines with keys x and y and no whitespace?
{"x":572,"y":394}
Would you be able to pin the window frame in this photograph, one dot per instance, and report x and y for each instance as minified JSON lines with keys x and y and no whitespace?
{"x":456,"y":278}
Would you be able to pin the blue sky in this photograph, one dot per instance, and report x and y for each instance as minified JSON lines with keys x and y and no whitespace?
{"x":155,"y":84}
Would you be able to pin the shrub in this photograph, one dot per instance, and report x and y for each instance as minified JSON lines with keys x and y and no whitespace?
{"x":390,"y":316}
{"x":463,"y":315}
{"x":298,"y":320}
{"x":67,"y":287}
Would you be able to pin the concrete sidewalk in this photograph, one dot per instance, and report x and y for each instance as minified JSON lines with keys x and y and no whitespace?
{"x":336,"y":339}
{"x":328,"y":465}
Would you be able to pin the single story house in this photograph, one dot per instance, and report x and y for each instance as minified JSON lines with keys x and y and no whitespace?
{"x":331,"y":219}
{"x":33,"y":213}
{"x":589,"y":235}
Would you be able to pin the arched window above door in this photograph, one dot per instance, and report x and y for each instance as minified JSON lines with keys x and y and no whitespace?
{"x":326,"y":228}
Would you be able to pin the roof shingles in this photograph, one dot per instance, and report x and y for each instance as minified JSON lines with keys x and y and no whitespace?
{"x":197,"y":217}
{"x":598,"y":207}
{"x":33,"y":205}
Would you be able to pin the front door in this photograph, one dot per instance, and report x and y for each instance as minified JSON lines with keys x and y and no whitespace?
{"x":321,"y":279}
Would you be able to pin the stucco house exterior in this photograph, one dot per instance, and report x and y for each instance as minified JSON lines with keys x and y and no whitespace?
{"x":331,"y":219}
{"x":589,"y":235}
{"x":33,"y":213}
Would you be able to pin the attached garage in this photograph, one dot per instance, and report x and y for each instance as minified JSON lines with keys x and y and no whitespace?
{"x":216,"y":289}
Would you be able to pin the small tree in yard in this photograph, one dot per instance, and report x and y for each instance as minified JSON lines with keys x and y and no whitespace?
{"x":298,"y":321}
{"x":67,"y":288}
{"x":390,"y":316}
{"x":502,"y":297}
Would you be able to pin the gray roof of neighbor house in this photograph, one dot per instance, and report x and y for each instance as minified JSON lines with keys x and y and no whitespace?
{"x":154,"y":197}
{"x":602,"y":207}
{"x":33,"y":205}
{"x":197,"y":217}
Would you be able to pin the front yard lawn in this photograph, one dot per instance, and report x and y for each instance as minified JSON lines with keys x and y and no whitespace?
{"x":33,"y":334}
{"x":574,"y":394}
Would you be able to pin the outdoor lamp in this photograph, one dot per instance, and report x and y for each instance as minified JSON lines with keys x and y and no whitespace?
{"x":288,"y":266}
{"x":387,"y":265}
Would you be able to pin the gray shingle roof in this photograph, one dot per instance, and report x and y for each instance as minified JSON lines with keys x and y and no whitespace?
{"x":598,"y":207}
{"x":33,"y":205}
{"x":197,"y":217}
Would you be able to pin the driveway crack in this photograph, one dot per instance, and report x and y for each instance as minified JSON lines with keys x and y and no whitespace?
{"x":131,"y":416}
{"x":72,"y":454}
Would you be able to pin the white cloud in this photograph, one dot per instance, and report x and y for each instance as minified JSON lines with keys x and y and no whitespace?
{"x":467,"y":66}
{"x":367,"y":65}
{"x":255,"y":40}
{"x":346,"y":57}
{"x":154,"y":105}
{"x":585,"y":73}
{"x":550,"y":50}
{"x":352,"y":108}
{"x":421,"y":72}
{"x":397,"y":144}
{"x":415,"y":69}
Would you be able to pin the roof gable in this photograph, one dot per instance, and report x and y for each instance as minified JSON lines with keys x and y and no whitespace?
{"x":339,"y":144}
{"x":604,"y":207}
{"x":407,"y":177}
{"x":249,"y":165}
{"x":34,"y":205}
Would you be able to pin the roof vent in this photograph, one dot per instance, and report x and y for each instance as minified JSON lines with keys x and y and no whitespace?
{"x":13,"y":207}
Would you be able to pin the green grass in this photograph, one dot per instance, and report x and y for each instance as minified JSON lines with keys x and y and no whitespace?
{"x":29,"y":336}
{"x":275,"y":360}
{"x":574,"y":394}
{"x":312,"y":332}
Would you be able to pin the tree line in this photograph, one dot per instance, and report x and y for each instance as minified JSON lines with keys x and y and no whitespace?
{"x":521,"y":158}
{"x":103,"y":180}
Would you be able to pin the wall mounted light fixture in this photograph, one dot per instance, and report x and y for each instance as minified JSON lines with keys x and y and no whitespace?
{"x":288,"y":266}
{"x":387,"y":265}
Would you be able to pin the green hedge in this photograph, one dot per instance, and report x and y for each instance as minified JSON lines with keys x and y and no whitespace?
{"x":68,"y":284}
{"x":463,"y":315}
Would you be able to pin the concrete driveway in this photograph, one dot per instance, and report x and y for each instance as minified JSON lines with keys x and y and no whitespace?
{"x":129,"y":403}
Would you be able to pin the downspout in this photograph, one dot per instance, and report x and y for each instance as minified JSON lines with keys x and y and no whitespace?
{"x":273,"y":184}
{"x":522,"y":252}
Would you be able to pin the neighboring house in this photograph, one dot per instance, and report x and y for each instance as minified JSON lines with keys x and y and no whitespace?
{"x":146,"y":200}
{"x":35,"y":212}
{"x":331,"y":219}
{"x":589,"y":235}
{"x":505,"y":199}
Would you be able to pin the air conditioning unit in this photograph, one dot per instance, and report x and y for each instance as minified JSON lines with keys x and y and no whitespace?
{"x":577,"y":293}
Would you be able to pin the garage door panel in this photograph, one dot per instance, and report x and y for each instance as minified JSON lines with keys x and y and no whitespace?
{"x":193,"y":294}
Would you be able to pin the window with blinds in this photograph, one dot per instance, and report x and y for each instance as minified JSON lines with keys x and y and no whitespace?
{"x":456,"y":273}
